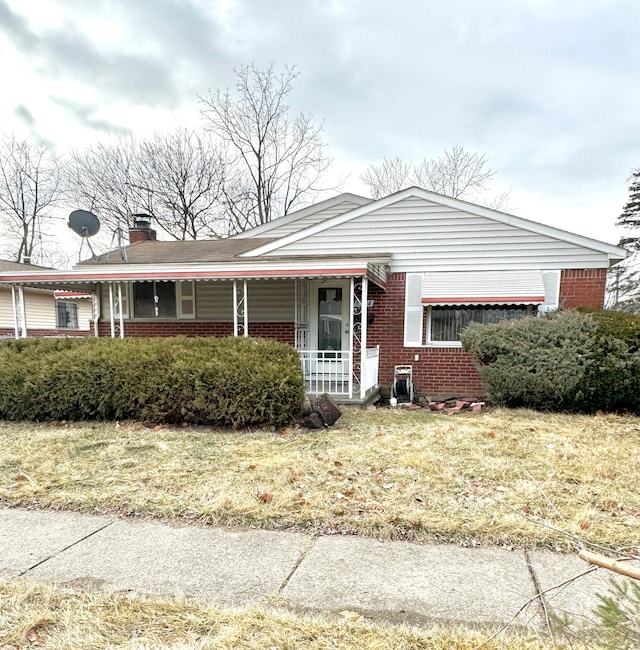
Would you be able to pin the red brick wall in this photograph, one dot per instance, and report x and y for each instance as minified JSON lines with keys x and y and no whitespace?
{"x":283,"y":332}
{"x":441,"y":372}
{"x":582,"y":288}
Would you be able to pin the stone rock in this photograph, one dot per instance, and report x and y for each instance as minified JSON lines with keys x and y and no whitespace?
{"x":327,"y":409}
{"x":312,"y":421}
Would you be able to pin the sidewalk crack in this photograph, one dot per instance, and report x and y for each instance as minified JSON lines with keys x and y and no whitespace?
{"x":66,"y":548}
{"x":539,"y":593}
{"x":300,"y":560}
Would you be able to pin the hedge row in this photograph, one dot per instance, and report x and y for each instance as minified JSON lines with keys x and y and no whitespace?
{"x":235,"y":382}
{"x":567,"y":361}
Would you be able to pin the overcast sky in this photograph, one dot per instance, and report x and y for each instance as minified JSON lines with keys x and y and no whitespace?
{"x":548,"y":89}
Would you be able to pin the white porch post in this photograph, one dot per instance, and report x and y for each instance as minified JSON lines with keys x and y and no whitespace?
{"x":240,"y":308}
{"x":14,"y":304}
{"x":111,"y":309}
{"x":235,"y":308}
{"x":23,"y":311}
{"x":120,"y":310}
{"x":363,"y":335}
{"x":95,"y":310}
{"x":245,"y":305}
{"x":351,"y":297}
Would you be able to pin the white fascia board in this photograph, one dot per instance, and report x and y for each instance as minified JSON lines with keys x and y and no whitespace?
{"x":614,"y":253}
{"x":259,"y":231}
{"x":249,"y":269}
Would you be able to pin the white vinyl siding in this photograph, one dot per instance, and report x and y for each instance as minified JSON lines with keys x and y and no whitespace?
{"x":39,"y":305}
{"x":267,"y":301}
{"x":424,"y":236}
{"x":85,"y":313}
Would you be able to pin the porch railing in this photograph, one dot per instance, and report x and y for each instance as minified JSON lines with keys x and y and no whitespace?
{"x":331,"y":372}
{"x":326,"y":371}
{"x":372,"y":358}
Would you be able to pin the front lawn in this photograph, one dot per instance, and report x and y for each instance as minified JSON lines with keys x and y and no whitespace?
{"x":395,"y":474}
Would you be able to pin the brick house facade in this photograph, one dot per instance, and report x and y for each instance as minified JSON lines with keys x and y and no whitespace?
{"x":357,"y":286}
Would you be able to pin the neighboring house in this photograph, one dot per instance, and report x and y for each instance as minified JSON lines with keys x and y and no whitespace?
{"x":357,"y":286}
{"x":48,"y":314}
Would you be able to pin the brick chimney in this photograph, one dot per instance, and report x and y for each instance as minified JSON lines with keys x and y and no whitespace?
{"x":141,"y":230}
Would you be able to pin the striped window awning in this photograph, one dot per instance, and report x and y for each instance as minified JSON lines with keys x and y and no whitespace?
{"x":483,"y":288}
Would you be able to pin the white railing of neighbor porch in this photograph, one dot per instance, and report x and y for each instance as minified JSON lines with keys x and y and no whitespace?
{"x":372,"y":360}
{"x":326,"y":371}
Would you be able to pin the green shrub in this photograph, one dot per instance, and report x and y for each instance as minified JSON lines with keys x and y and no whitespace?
{"x":228,"y":382}
{"x":565,"y":361}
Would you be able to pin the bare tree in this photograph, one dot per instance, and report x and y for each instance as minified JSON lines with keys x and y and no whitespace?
{"x":30,"y":188}
{"x":391,"y":175}
{"x":176,"y":178}
{"x":185,"y":176}
{"x":457,"y":173}
{"x":276,"y":162}
{"x":102,"y":179}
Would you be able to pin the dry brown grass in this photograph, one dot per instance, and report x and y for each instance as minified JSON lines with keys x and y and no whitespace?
{"x":35,"y":615}
{"x":385,"y":473}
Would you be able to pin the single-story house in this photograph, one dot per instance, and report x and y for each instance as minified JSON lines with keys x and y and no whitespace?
{"x":48,"y":312}
{"x":358,"y":286}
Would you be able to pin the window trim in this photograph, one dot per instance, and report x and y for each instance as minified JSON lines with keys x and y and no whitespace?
{"x":73,"y":314}
{"x":178,"y":292}
{"x":429,"y":343}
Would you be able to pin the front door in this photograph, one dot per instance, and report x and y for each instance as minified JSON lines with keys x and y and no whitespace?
{"x":330,"y":335}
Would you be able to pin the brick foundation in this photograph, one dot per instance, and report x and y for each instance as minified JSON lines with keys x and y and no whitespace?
{"x":283,"y":332}
{"x":40,"y":333}
{"x":582,"y":288}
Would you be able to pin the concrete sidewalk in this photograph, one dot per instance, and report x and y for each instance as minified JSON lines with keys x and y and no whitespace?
{"x":394,"y":581}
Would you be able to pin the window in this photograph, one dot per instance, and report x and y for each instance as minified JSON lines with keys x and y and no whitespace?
{"x":444,"y":324}
{"x":66,"y":315}
{"x":158,"y":299}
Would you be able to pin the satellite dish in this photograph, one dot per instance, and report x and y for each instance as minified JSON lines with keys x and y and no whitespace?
{"x":84,"y":223}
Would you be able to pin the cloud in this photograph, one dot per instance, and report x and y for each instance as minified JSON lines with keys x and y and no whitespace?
{"x":84,"y":114}
{"x":25,"y":115}
{"x":67,"y":53}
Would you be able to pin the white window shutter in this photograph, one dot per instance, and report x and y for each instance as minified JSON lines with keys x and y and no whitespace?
{"x":413,"y":310}
{"x":551,"y":280}
{"x":186,"y":299}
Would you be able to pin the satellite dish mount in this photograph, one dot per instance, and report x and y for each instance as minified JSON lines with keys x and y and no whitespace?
{"x":85,"y":224}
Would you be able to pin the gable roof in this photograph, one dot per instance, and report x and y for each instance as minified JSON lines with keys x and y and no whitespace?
{"x":346,"y":200}
{"x":614,"y":253}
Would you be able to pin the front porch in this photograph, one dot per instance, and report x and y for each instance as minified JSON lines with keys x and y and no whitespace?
{"x":323,"y":315}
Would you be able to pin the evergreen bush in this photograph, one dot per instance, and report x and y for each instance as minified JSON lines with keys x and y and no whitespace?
{"x":235,"y":382}
{"x":573,"y":361}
